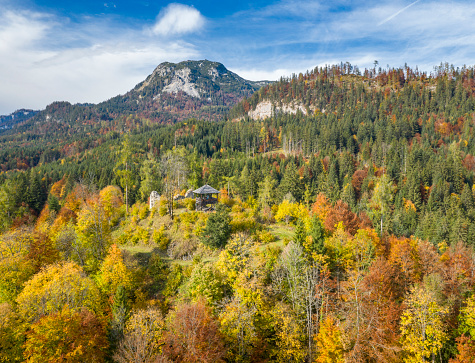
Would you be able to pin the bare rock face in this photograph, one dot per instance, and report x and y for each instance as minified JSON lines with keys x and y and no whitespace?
{"x":266,"y":109}
{"x":181,"y":82}
{"x":189,"y":193}
{"x":154,"y":199}
{"x":263,"y":110}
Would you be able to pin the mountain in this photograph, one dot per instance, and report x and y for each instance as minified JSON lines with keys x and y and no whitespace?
{"x":173,"y":92}
{"x":201,"y":89}
{"x":8,"y":121}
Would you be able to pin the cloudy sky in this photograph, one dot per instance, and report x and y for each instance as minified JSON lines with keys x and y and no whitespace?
{"x":91,"y":50}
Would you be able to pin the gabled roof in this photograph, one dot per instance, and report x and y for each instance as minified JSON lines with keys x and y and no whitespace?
{"x":206,"y":189}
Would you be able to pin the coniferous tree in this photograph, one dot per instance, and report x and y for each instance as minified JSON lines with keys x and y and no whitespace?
{"x":217,"y":230}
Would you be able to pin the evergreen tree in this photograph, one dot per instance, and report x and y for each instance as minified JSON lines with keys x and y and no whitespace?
{"x":36,"y":195}
{"x":300,"y":233}
{"x":290,"y":183}
{"x":317,"y":232}
{"x":218,"y":229}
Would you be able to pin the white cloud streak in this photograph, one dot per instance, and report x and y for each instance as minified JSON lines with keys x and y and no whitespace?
{"x":397,"y":13}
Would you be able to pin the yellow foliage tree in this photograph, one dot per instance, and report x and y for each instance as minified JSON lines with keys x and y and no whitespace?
{"x":289,"y":335}
{"x":12,"y":330}
{"x":466,"y":342}
{"x":93,"y":230}
{"x":114,"y":273}
{"x":143,"y":338}
{"x":237,"y":326}
{"x":422,"y":325}
{"x":67,"y":336}
{"x":58,"y":286}
{"x":15,"y":267}
{"x":112,"y":201}
{"x":289,"y":211}
{"x":329,"y":342}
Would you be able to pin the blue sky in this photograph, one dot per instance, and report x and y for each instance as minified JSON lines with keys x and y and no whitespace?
{"x":89,"y":50}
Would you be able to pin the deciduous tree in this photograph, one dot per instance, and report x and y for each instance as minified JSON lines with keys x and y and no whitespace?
{"x":58,"y":286}
{"x":143,"y":338}
{"x":193,"y":335}
{"x":67,"y":336}
{"x":422,"y":322}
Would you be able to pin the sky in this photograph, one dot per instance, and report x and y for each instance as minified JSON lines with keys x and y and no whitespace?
{"x":91,"y":50}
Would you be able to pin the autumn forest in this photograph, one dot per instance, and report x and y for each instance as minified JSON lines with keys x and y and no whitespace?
{"x":344,"y":229}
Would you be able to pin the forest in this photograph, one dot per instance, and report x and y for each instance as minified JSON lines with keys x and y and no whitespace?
{"x":342,"y":234}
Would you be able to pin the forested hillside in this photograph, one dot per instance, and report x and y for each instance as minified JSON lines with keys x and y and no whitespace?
{"x":344,"y":233}
{"x":173,"y":92}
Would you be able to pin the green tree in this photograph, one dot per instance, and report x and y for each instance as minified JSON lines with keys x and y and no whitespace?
{"x":382,"y":198}
{"x":36,"y":195}
{"x":266,"y":193}
{"x":290,"y":182}
{"x":7,"y":205}
{"x":123,"y":168}
{"x":150,"y":177}
{"x":300,"y":234}
{"x":317,"y":234}
{"x":217,"y":230}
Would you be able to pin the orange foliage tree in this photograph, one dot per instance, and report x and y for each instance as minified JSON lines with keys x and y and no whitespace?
{"x":67,"y":336}
{"x":321,"y":206}
{"x":329,"y":342}
{"x":193,"y":335}
{"x":340,"y":212}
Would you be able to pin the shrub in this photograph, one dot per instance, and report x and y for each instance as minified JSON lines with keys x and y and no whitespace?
{"x":182,"y":249}
{"x":160,"y":239}
{"x":265,"y":237}
{"x":190,"y":204}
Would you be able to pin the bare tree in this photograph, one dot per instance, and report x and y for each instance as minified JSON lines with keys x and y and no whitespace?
{"x":142,"y":339}
{"x":96,"y":227}
{"x":174,"y":171}
{"x":302,"y":284}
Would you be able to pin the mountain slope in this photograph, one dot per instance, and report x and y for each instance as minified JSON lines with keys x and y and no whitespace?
{"x":173,"y":92}
{"x":201,"y":89}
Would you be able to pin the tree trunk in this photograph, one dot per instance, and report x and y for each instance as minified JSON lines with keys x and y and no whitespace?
{"x":126,"y":194}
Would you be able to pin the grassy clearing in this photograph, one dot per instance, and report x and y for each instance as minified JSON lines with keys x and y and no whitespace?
{"x":282,"y":232}
{"x":142,"y":250}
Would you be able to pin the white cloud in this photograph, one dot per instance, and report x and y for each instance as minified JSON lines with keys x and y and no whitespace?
{"x":298,"y":8}
{"x":19,"y":30}
{"x":255,"y":74}
{"x":178,"y":19}
{"x":46,"y":59}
